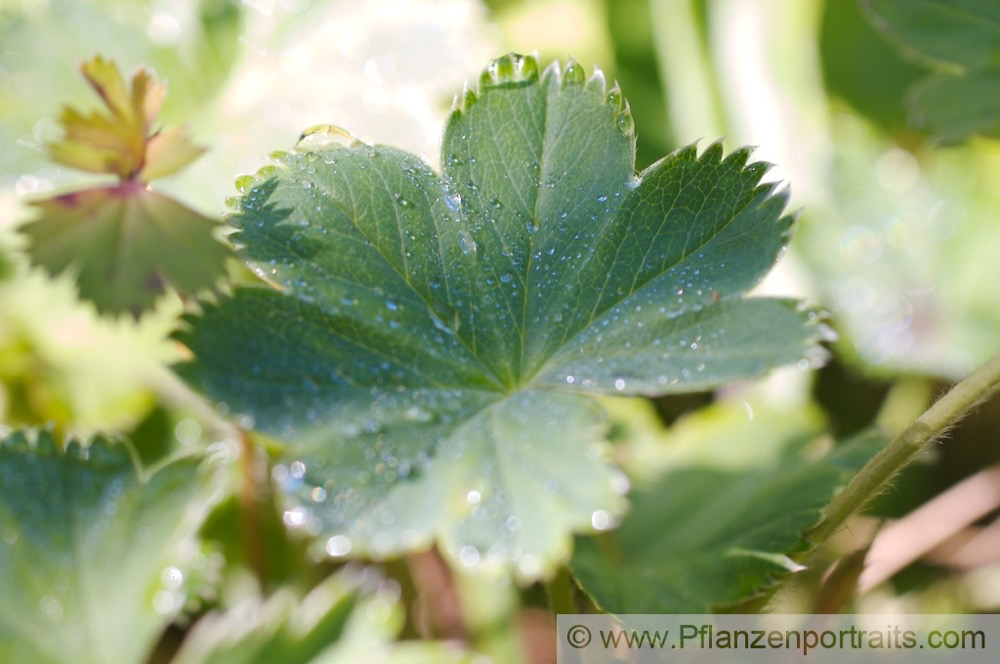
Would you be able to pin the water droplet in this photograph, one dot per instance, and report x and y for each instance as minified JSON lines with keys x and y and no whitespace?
{"x":469,"y":556}
{"x":439,"y":324}
{"x":466,"y":243}
{"x":531,"y":226}
{"x":602,"y":198}
{"x":244,"y":183}
{"x":295,"y":517}
{"x":473,"y":497}
{"x":338,"y":545}
{"x":453,"y":201}
{"x":172,"y":578}
{"x":506,"y":277}
{"x":600,"y":520}
{"x":391,"y":306}
{"x":528,"y":565}
{"x":416,"y":414}
{"x":619,"y":384}
{"x":403,"y":202}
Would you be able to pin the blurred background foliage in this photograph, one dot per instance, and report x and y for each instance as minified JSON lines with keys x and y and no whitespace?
{"x":897,"y":237}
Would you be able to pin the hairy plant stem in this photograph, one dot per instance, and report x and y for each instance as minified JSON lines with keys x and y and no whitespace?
{"x":251,"y":499}
{"x":904,"y":448}
{"x":560,"y":593}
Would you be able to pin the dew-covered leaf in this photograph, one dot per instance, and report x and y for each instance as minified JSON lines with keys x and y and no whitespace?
{"x":125,"y":244}
{"x":727,"y":519}
{"x":431,"y":341}
{"x":93,"y":551}
{"x":961,"y":37}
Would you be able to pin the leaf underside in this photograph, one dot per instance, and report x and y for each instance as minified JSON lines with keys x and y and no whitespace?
{"x":92,"y":554}
{"x":431,"y":342}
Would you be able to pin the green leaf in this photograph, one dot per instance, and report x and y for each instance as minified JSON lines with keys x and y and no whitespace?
{"x":125,"y":244}
{"x":352,"y":616}
{"x":430,"y":341}
{"x":962,"y":33}
{"x":961,"y":37}
{"x":93,"y":551}
{"x":288,"y":628}
{"x":954,"y":107}
{"x":724,"y":523}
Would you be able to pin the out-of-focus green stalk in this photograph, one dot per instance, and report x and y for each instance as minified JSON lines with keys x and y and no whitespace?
{"x":686,"y":72}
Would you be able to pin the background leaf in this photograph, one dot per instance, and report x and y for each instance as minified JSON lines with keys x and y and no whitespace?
{"x":725,"y":520}
{"x":415,"y":351}
{"x":346,"y":612}
{"x":963,"y":38}
{"x":125,"y":244}
{"x":93,"y":552}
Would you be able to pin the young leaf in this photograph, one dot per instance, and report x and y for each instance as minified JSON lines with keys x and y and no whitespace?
{"x":125,"y":244}
{"x":93,"y":552}
{"x":432,"y":340}
{"x":963,"y":38}
{"x":721,"y":526}
{"x":122,"y":141}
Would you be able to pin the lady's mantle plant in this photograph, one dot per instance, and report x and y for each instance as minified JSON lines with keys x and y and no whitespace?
{"x":125,"y":243}
{"x":429,"y":345}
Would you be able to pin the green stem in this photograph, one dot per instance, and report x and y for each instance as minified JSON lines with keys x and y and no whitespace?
{"x":914,"y":439}
{"x":251,"y":499}
{"x":560,"y":593}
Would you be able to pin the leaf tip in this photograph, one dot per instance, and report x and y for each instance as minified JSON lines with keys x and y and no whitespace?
{"x":713,"y":153}
{"x":463,"y":101}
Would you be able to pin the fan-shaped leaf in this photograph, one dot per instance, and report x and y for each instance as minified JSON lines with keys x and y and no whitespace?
{"x":431,"y":340}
